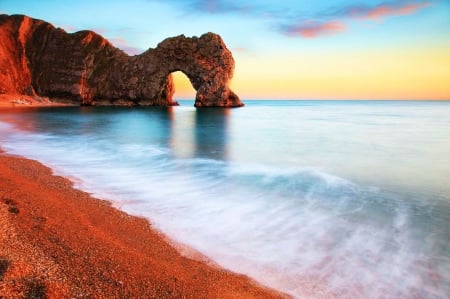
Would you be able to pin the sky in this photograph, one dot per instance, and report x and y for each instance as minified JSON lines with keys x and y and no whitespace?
{"x":285,"y":49}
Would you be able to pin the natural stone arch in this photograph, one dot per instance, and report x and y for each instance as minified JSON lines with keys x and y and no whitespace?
{"x":146,"y":79}
{"x":207,"y":63}
{"x":85,"y":67}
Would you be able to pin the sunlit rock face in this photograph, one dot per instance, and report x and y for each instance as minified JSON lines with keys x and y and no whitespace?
{"x":38,"y":59}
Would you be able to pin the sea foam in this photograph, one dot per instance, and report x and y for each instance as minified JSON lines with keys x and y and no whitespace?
{"x":301,"y":230}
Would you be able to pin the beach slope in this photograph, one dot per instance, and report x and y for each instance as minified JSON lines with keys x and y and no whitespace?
{"x":59,"y":242}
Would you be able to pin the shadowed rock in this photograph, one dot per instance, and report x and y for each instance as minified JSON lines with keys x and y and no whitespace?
{"x":38,"y":59}
{"x":4,"y":265}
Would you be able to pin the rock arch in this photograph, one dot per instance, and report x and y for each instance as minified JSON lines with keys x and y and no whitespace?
{"x":85,"y":67}
{"x":206,"y":61}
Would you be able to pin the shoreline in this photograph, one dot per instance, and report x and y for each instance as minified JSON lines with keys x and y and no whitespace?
{"x":21,"y":101}
{"x":57,"y":241}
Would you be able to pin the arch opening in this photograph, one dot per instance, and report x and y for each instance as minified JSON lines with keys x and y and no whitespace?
{"x":182,"y":86}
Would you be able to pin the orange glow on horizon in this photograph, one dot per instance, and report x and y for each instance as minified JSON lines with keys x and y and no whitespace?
{"x":416,"y":74}
{"x":393,"y":75}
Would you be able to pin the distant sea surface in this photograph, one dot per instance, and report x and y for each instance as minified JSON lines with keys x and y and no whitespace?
{"x":318,"y":199}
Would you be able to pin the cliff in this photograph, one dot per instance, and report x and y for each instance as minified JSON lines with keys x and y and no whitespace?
{"x":38,"y":59}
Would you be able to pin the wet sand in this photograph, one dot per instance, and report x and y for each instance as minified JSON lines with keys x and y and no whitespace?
{"x":59,"y":242}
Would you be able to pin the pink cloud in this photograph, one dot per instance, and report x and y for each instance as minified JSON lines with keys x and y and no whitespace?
{"x":387,"y":10}
{"x":313,"y":29}
{"x":336,"y":22}
{"x":240,"y":49}
{"x":125,"y":46}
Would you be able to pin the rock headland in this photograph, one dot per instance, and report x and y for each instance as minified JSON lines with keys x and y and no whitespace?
{"x":37,"y":59}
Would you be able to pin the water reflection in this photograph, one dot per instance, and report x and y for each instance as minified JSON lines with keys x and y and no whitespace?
{"x":186,"y":132}
{"x":182,"y":125}
{"x":373,"y":218}
{"x":211,"y":133}
{"x":198,"y":133}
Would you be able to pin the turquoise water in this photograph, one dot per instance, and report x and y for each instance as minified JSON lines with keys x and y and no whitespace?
{"x":347,"y":199}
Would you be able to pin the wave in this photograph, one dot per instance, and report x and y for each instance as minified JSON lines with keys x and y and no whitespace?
{"x":302,"y":230}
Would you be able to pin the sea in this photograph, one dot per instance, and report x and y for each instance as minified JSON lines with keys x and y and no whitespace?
{"x":316,"y":199}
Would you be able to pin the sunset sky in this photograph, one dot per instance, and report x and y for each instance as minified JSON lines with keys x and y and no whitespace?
{"x":286,"y":49}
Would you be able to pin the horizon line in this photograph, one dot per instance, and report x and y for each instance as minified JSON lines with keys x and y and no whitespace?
{"x":306,"y":99}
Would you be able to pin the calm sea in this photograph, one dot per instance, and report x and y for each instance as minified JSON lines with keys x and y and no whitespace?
{"x":319,"y":199}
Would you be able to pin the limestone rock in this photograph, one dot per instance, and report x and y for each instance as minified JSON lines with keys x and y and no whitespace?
{"x":38,"y":59}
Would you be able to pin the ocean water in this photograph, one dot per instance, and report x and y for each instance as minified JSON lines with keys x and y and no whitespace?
{"x":318,"y":199}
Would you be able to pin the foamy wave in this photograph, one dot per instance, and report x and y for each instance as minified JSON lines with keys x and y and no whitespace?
{"x":301,"y":230}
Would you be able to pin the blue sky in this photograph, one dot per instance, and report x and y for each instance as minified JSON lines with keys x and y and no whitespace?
{"x":264,"y":34}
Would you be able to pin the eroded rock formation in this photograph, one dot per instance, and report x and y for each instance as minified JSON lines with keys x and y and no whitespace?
{"x":38,"y":59}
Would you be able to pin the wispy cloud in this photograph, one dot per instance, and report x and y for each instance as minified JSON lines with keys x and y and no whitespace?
{"x":218,"y":6}
{"x":295,"y":22}
{"x":334,"y":21}
{"x":211,"y":6}
{"x":239,"y":49}
{"x":383,"y":10}
{"x":125,"y":46}
{"x":313,"y":29}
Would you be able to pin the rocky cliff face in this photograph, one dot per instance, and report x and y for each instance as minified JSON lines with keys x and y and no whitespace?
{"x":38,"y":59}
